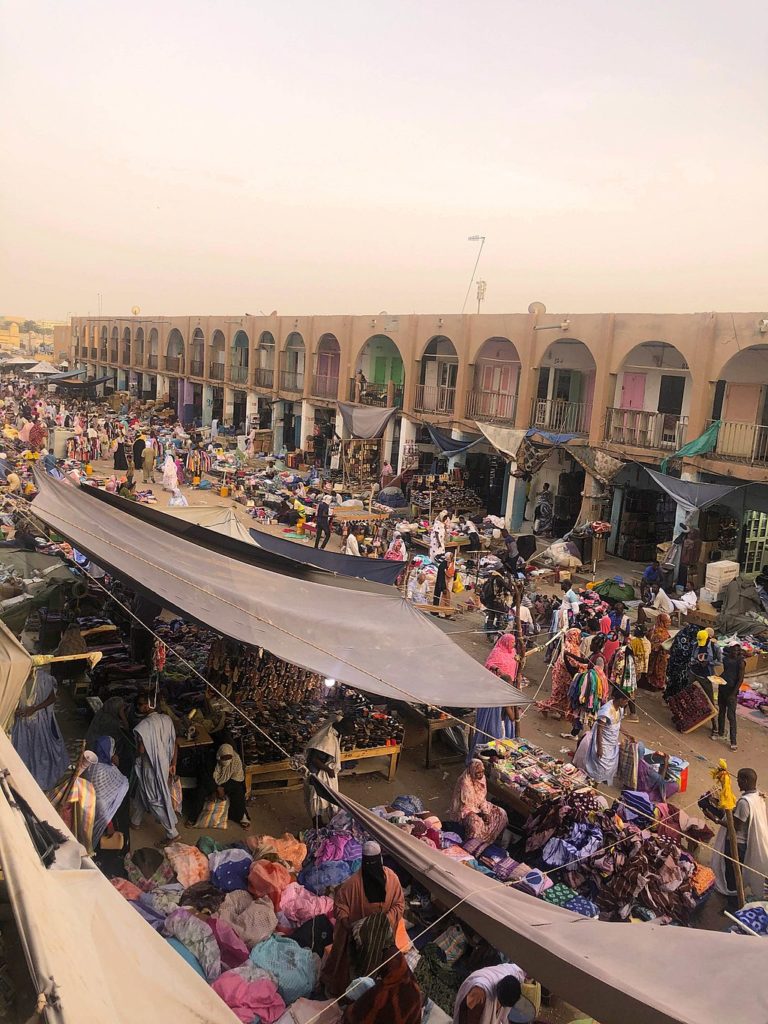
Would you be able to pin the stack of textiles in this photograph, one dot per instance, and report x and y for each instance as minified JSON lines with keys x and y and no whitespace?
{"x":528,"y":772}
{"x":630,"y":867}
{"x":244,"y":923}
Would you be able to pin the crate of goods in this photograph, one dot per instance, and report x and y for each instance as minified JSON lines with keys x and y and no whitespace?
{"x":720,"y":574}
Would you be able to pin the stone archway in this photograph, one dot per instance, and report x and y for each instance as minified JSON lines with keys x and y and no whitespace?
{"x":174,"y":352}
{"x":439,"y":366}
{"x":292,"y":366}
{"x":325,"y":383}
{"x":493,"y":395}
{"x":379,"y":373}
{"x":565,"y":388}
{"x":651,"y":398}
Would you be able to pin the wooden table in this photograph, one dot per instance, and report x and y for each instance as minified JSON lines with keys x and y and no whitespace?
{"x":202,"y":738}
{"x":435,"y":725}
{"x":259,"y":776}
{"x":456,"y":542}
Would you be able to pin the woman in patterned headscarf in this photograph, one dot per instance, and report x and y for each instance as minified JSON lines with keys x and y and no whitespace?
{"x":565,"y":668}
{"x":659,"y":656}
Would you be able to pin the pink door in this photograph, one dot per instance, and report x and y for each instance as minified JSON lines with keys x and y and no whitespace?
{"x":632,"y":391}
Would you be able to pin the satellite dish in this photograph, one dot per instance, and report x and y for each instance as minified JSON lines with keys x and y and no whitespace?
{"x":537,"y":307}
{"x":135,"y":310}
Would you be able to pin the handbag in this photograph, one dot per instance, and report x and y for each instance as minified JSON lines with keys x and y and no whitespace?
{"x":458,"y":586}
{"x":176,"y":793}
{"x":215,"y":813}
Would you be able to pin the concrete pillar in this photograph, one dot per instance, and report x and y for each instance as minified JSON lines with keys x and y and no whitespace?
{"x":162,"y":386}
{"x":251,"y":406}
{"x":407,"y":437}
{"x":528,"y":379}
{"x":517,"y":495}
{"x":605,"y":381}
{"x":386,"y":449}
{"x":229,"y":405}
{"x":307,"y":422}
{"x":278,"y":412}
{"x":207,"y":414}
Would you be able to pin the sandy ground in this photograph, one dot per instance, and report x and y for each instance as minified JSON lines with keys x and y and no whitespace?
{"x":278,"y":811}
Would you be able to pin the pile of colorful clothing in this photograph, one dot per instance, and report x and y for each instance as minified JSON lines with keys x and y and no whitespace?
{"x":634,"y":871}
{"x":238,"y":915}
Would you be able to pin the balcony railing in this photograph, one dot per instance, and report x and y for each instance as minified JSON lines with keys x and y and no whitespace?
{"x":93,"y":352}
{"x":492,"y":406}
{"x":561,"y":416}
{"x":174,"y":364}
{"x":263,"y":377}
{"x":741,"y":442}
{"x":291,"y":380}
{"x":196,"y":367}
{"x":138,"y":355}
{"x":384,"y":395}
{"x":434,"y":398}
{"x":127,"y":354}
{"x":152,"y":361}
{"x":637,"y":428}
{"x":216,"y":371}
{"x":238,"y":374}
{"x":325,"y":385}
{"x":113,"y":355}
{"x":103,"y":355}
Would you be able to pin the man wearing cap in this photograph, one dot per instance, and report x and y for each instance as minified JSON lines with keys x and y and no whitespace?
{"x":493,"y":995}
{"x":706,"y":654}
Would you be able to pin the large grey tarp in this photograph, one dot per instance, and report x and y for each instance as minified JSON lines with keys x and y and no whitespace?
{"x":365,"y":421}
{"x":226,"y":543}
{"x":689,"y":494}
{"x":742,"y":611}
{"x":374,"y":641}
{"x":379,"y":570}
{"x":619,"y":973}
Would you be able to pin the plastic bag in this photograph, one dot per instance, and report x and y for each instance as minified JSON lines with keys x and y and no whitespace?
{"x":214,"y":814}
{"x":176,"y":792}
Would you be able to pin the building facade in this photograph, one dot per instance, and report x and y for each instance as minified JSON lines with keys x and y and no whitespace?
{"x":637,"y":385}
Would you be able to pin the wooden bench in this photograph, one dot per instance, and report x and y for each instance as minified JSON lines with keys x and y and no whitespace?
{"x":260,"y":778}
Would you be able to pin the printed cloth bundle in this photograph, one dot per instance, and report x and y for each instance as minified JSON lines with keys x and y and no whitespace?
{"x":560,"y":895}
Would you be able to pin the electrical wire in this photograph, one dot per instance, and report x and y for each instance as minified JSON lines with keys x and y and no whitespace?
{"x":415,"y":700}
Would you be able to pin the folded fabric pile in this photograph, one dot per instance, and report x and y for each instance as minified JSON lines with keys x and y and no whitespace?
{"x":630,"y":867}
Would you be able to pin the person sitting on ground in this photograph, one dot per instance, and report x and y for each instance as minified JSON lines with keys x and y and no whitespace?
{"x":374,"y":890}
{"x":687,"y":602}
{"x":418,"y":588}
{"x":493,"y":995}
{"x":652,"y":574}
{"x":225,"y":782}
{"x":480,"y":819}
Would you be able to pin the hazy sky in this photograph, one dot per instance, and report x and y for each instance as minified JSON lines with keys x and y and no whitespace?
{"x":244,"y":155}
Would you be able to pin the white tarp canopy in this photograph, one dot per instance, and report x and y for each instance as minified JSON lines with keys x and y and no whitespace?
{"x":504,"y":439}
{"x":221,"y":520}
{"x":373,"y":640}
{"x":42,"y":369}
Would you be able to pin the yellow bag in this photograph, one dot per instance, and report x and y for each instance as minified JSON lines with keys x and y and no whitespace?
{"x":458,"y":586}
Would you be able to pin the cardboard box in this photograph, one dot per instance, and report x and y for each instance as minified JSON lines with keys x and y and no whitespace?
{"x":720,"y":574}
{"x":751,"y":665}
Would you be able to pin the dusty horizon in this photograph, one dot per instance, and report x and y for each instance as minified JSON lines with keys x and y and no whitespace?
{"x":246,"y":159}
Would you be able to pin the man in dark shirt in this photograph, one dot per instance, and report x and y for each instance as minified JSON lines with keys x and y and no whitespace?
{"x":323,"y":522}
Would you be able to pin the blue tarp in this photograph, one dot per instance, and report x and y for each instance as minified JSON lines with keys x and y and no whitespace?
{"x":66,"y":375}
{"x":552,"y":438}
{"x":376,"y":570}
{"x":448,"y":445}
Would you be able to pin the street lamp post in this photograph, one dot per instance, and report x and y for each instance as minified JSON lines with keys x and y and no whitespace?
{"x":481,"y":240}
